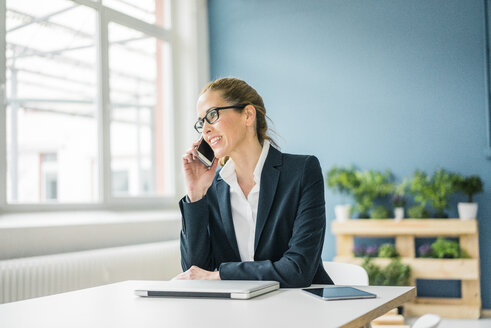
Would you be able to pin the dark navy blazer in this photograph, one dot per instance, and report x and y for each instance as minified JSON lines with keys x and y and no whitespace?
{"x":290,"y":226}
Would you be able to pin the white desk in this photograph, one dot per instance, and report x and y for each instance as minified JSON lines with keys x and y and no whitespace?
{"x":116,"y":306}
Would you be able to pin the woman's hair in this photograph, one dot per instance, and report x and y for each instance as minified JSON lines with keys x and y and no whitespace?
{"x":236,"y":91}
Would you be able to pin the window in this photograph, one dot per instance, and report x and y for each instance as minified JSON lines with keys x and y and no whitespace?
{"x":88,"y":116}
{"x":51,"y":98}
{"x":136,"y":79}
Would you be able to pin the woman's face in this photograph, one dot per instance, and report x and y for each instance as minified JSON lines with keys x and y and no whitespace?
{"x":227,"y":133}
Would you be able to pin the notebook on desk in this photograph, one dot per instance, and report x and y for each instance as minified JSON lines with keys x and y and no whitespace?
{"x":235,"y":289}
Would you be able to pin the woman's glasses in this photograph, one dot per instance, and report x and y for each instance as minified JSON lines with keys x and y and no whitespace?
{"x":212,"y":116}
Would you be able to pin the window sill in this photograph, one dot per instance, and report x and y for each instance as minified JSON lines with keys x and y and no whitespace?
{"x":34,"y":234}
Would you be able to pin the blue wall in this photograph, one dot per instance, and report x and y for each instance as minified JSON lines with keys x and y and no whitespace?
{"x":375,"y":83}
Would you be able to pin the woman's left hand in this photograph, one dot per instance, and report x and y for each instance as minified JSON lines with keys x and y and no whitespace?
{"x":196,"y":273}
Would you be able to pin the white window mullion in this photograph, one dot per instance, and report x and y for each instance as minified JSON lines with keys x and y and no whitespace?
{"x":3,"y":107}
{"x":136,"y":24}
{"x":104,"y":109}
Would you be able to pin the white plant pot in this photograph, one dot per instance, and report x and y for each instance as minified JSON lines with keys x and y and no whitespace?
{"x":342,"y":212}
{"x":467,"y":211}
{"x":399,"y":213}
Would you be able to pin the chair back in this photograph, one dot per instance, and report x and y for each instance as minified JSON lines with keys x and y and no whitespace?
{"x":346,"y":274}
{"x":427,"y":321}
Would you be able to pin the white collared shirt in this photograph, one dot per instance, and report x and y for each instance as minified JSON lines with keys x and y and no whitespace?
{"x":244,"y":210}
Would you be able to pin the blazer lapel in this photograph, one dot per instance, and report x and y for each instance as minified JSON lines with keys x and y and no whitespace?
{"x":223,"y":195}
{"x":269,"y":181}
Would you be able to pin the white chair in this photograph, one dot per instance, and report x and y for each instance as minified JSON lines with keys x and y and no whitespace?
{"x":346,"y":274}
{"x":427,"y":321}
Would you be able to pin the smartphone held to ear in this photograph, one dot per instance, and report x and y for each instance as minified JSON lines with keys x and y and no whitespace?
{"x":205,"y":153}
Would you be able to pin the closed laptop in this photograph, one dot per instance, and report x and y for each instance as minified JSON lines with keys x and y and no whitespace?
{"x":235,"y":289}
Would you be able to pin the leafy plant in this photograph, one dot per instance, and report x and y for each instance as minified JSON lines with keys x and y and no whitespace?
{"x":394,"y":274}
{"x":419,"y":187}
{"x":375,"y":275}
{"x":397,"y":273}
{"x":443,"y":248}
{"x":435,"y":190}
{"x":387,"y":251}
{"x":379,"y":212}
{"x":418,"y":212}
{"x":443,"y":184}
{"x":342,"y":180}
{"x":371,"y":185}
{"x":365,"y":186}
{"x":470,"y":186}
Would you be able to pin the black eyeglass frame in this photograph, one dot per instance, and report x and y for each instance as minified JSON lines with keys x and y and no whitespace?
{"x":217,"y":110}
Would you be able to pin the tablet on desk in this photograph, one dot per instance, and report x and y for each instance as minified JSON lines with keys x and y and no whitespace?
{"x":236,"y":289}
{"x":339,"y":293}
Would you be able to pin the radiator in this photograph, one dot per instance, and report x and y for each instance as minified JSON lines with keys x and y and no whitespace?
{"x":52,"y":274}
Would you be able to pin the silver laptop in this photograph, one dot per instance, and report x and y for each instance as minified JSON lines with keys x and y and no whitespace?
{"x":236,"y":289}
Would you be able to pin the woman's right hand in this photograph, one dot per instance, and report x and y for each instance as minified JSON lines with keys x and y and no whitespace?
{"x":197,"y":176}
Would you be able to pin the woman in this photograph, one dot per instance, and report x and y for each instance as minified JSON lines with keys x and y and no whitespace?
{"x":262,"y":216}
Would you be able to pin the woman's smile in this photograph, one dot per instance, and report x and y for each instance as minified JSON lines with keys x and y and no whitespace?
{"x":213,"y":141}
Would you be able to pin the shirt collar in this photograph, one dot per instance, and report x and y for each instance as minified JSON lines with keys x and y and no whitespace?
{"x":260,"y":163}
{"x":228,"y":171}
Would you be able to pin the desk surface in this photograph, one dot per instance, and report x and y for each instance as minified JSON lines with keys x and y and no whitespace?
{"x":116,"y":305}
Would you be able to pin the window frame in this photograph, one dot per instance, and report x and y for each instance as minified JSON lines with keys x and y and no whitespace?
{"x":188,"y":32}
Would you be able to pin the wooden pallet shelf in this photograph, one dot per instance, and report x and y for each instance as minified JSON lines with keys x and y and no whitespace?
{"x":405,"y":232}
{"x":419,"y":227}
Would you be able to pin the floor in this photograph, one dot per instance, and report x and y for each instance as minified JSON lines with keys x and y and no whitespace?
{"x":459,"y":323}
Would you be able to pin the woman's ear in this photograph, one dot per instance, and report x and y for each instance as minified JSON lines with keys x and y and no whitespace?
{"x":250,"y":112}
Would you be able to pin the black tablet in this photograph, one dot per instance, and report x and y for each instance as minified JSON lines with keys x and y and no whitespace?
{"x":339,"y":293}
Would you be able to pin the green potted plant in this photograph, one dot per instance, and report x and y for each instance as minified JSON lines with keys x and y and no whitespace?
{"x":370,"y":186}
{"x":419,"y":188}
{"x":375,"y":275}
{"x":394,"y":274}
{"x":445,"y":249}
{"x":397,"y":273}
{"x":469,"y":186}
{"x":341,"y":180}
{"x":435,"y":190}
{"x":387,"y":251}
{"x":442,"y":185}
